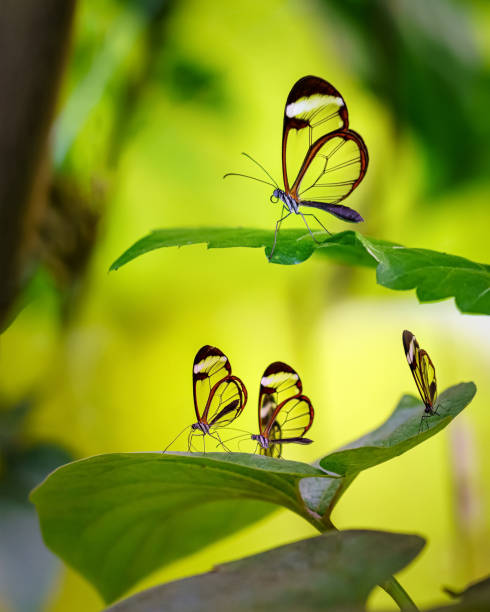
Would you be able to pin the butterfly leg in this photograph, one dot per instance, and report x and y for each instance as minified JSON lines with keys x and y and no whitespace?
{"x":311,"y":233}
{"x":278,"y":225}
{"x":318,"y":221}
{"x":423,"y":421}
{"x":189,"y":442}
{"x":217,"y":437}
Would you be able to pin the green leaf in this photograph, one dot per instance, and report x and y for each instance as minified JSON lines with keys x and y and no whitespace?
{"x":475,"y":598}
{"x":116,"y":518}
{"x":455,"y":90}
{"x":397,"y":435}
{"x":293,"y":246}
{"x":434,"y":275}
{"x":293,"y":249}
{"x":328,"y":572}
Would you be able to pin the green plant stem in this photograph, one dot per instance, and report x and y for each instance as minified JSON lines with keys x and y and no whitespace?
{"x":391,"y":586}
{"x":398,"y":594}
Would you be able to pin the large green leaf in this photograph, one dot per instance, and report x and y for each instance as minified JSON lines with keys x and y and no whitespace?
{"x":116,"y":518}
{"x":474,"y":598}
{"x":293,"y":245}
{"x":401,"y":432}
{"x":435,"y":276}
{"x":329,"y":572}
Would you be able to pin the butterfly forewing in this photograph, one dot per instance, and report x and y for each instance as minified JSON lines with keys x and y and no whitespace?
{"x":210,"y":367}
{"x":278,"y":383}
{"x":313,"y":108}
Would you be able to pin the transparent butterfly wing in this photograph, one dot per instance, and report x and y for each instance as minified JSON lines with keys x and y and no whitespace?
{"x":294,"y":417}
{"x":335,"y":166}
{"x":313,"y":108}
{"x":278,"y":383}
{"x":226,"y":402}
{"x":219,"y":397}
{"x":422,"y":369}
{"x":428,"y":376}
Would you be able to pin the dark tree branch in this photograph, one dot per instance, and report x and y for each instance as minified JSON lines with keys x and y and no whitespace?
{"x":34,"y":38}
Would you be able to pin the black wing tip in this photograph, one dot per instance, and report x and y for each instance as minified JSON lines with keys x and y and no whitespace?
{"x":207,"y":350}
{"x":278,"y":366}
{"x":407,"y":337}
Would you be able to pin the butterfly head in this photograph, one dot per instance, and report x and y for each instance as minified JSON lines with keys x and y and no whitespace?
{"x":276,"y":195}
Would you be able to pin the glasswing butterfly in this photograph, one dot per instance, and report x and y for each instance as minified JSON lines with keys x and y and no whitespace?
{"x":324,"y":158}
{"x":219,"y":397}
{"x":285,"y":415}
{"x":423,"y":372}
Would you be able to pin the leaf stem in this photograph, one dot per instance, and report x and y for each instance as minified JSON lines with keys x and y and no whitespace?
{"x":398,"y":594}
{"x":391,"y":586}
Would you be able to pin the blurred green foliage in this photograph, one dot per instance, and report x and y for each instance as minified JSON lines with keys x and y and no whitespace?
{"x":158,"y":102}
{"x":421,"y":59}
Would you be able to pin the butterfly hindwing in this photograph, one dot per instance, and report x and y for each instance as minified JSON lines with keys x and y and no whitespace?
{"x":335,"y":166}
{"x":294,"y":416}
{"x":226,"y":401}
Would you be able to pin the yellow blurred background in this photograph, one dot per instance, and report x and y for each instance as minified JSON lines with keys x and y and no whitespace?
{"x":155,"y":108}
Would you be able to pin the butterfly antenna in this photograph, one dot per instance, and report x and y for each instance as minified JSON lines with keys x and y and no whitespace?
{"x":261,"y":166}
{"x":240,"y":430}
{"x":250,"y":177}
{"x":217,"y":437}
{"x":236,"y":437}
{"x":240,"y":443}
{"x":178,"y":436}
